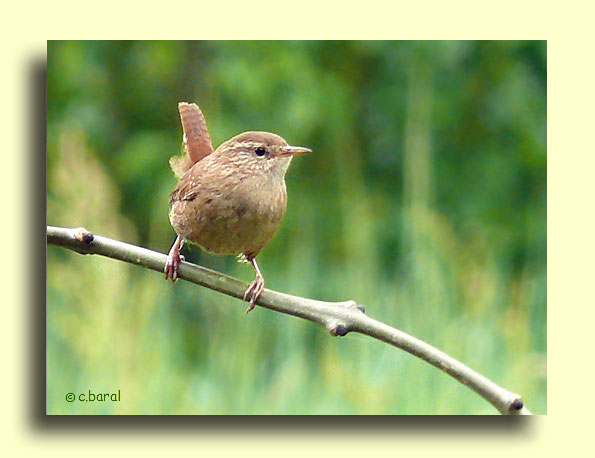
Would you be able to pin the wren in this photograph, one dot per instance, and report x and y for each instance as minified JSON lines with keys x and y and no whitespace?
{"x":231,"y":200}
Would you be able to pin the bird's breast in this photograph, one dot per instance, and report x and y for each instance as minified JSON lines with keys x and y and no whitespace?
{"x":236,"y":219}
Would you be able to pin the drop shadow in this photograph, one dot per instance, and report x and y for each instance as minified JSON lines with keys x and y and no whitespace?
{"x":35,"y":170}
{"x":507,"y":426}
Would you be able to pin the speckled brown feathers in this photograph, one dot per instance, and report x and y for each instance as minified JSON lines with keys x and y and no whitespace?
{"x":227,"y":204}
{"x":231,"y":200}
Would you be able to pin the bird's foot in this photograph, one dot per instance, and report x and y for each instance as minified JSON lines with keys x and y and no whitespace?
{"x":253,"y":293}
{"x":172,"y":265}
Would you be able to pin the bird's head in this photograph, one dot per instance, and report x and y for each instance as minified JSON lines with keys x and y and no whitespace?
{"x":260,"y":153}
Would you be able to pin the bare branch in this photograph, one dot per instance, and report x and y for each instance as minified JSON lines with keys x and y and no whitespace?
{"x":338,"y":318}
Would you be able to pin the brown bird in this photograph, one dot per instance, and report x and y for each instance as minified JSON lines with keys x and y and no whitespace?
{"x":231,"y":200}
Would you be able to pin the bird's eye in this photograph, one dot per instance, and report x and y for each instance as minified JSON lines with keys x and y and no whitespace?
{"x":260,"y":151}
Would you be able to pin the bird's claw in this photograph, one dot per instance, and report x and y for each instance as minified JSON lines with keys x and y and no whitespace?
{"x":172,"y":265}
{"x":253,"y":293}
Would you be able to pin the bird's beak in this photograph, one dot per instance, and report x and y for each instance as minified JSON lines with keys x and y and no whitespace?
{"x":293,"y":150}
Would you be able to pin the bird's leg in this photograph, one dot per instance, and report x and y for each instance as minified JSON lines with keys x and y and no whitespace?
{"x":172,"y":266}
{"x":255,"y":288}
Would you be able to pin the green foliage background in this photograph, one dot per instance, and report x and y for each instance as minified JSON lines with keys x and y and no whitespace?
{"x":425,"y":200}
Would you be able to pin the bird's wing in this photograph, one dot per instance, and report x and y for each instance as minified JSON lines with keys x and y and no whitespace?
{"x":187,"y":189}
